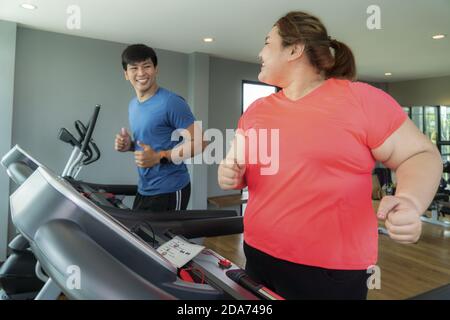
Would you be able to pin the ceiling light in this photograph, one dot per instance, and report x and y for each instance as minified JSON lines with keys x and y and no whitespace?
{"x":388,"y":74}
{"x":439,"y":36}
{"x":28,"y":6}
{"x":208,"y":39}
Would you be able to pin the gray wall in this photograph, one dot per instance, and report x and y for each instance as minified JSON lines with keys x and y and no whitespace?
{"x":225,"y":99}
{"x":199,"y":101}
{"x":380,"y":85}
{"x":60,"y":78}
{"x":7,"y":58}
{"x":433,"y":91}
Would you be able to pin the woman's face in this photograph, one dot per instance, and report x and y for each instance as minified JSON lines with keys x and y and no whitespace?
{"x":274,"y":59}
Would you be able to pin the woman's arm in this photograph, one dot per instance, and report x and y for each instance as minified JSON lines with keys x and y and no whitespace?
{"x":418,"y":167}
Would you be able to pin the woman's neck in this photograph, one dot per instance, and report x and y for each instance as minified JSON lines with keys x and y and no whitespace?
{"x":301,"y":86}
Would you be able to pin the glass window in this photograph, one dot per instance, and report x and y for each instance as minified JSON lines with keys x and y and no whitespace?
{"x":445,"y":123}
{"x":254,"y":91}
{"x":445,"y":153}
{"x":417,"y":117}
{"x":431,"y":123}
{"x":407,"y":111}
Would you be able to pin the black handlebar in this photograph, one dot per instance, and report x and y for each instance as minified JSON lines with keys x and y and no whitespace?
{"x":81,"y":129}
{"x":67,"y":137}
{"x":90,"y":130}
{"x":97,"y":153}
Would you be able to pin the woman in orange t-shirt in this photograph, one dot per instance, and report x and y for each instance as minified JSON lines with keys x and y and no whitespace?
{"x":309,"y":227}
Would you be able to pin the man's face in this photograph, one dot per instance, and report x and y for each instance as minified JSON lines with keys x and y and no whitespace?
{"x":142,"y":75}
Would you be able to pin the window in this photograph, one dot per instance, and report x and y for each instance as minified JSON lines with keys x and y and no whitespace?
{"x":417,"y":117}
{"x":407,"y":111}
{"x":434,"y":122}
{"x":445,"y":123}
{"x":252,"y":91}
{"x":431,"y":120}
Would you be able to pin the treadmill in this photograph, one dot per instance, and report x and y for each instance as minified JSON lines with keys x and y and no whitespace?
{"x":113,"y":249}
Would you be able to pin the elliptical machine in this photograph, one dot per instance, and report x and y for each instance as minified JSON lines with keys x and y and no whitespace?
{"x":20,"y":276}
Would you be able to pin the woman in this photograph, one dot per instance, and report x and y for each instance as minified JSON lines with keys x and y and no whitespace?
{"x":309,"y":229}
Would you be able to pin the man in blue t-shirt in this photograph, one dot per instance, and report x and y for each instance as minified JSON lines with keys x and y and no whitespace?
{"x":155,"y":116}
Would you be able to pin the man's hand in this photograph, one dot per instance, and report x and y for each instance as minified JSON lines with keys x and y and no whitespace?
{"x":122,"y":142}
{"x":146,"y":158}
{"x":231,"y":174}
{"x":402,"y":218}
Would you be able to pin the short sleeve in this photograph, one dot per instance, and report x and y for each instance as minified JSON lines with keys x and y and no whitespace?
{"x":179,"y":114}
{"x":383,"y":114}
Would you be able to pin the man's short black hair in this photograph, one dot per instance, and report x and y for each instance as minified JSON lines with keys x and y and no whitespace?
{"x":138,"y":53}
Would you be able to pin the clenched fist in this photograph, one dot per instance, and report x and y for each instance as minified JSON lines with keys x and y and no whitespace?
{"x":402,"y":218}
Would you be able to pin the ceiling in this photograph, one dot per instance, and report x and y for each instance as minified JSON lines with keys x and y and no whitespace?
{"x":403,"y":45}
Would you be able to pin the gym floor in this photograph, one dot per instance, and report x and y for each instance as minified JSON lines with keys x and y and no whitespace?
{"x":406,"y":270}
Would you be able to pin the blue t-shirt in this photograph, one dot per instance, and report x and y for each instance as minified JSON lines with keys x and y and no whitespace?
{"x":152,"y":122}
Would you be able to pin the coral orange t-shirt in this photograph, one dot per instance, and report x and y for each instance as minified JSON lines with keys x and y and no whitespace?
{"x":313,"y":206}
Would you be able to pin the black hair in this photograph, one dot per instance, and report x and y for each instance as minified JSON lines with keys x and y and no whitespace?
{"x":137,"y":53}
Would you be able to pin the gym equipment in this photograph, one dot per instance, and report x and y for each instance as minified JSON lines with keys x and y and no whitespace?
{"x":440,"y":293}
{"x":82,"y":153}
{"x":440,"y":205}
{"x":19,"y":278}
{"x":65,"y":229}
{"x":17,"y":274}
{"x":155,"y":228}
{"x":19,"y":159}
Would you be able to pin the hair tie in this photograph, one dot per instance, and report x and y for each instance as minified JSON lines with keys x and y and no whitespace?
{"x":331,"y":40}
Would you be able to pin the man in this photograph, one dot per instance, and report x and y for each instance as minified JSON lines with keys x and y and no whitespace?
{"x":155,"y":115}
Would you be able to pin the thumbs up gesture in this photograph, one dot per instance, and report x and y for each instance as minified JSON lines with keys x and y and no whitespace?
{"x":147,"y":157}
{"x":122,"y":142}
{"x":232,"y":169}
{"x":231,"y":174}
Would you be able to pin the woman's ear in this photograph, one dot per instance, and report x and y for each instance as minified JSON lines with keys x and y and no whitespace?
{"x":297,"y":51}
